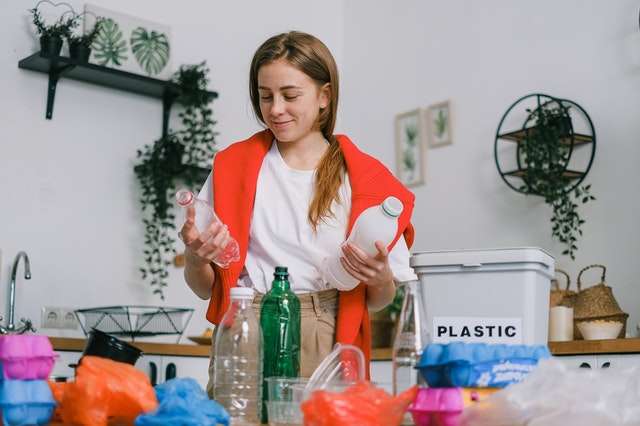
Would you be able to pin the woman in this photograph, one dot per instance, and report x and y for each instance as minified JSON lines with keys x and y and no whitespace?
{"x":289,"y":195}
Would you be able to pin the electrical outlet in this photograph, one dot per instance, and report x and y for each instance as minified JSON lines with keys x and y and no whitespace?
{"x":59,"y":318}
{"x":68,"y":319}
{"x":50,"y":317}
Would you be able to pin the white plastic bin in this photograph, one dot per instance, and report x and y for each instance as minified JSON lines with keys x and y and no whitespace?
{"x":491,"y":296}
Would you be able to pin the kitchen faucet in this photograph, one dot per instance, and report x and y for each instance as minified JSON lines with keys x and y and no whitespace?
{"x":26,"y":324}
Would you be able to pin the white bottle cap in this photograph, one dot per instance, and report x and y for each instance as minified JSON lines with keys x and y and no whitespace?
{"x":242,"y":293}
{"x":184,"y":197}
{"x":392,"y":206}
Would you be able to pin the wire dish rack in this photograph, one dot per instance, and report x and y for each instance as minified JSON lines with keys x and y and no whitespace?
{"x":135,"y":321}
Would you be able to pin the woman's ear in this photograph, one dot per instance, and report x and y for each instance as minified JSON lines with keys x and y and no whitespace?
{"x":325,"y":95}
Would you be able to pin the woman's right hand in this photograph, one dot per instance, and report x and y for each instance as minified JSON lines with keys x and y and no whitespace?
{"x":202,"y":247}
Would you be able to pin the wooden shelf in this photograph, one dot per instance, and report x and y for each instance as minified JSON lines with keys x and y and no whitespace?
{"x":570,"y":174}
{"x":175,"y":349}
{"x":171,"y":349}
{"x":62,"y":66}
{"x":519,"y":135}
{"x":381,"y":354}
{"x":588,"y":347}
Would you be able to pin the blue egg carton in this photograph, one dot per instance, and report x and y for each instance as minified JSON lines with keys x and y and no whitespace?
{"x":26,"y":402}
{"x":478,"y":364}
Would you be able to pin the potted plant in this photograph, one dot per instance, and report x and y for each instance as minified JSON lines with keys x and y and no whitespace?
{"x":182,"y":157}
{"x":80,"y":45}
{"x":545,"y":152}
{"x":51,"y":36}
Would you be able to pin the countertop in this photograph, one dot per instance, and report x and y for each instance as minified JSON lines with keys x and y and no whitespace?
{"x":173,"y":349}
{"x":588,"y":347}
{"x":576,"y":347}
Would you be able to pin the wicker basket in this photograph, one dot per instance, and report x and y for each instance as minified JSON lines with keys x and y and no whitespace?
{"x":597,"y":303}
{"x":564,"y":297}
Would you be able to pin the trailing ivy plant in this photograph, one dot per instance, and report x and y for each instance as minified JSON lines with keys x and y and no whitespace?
{"x":61,"y":28}
{"x":88,"y":38}
{"x":182,"y":157}
{"x":545,"y":152}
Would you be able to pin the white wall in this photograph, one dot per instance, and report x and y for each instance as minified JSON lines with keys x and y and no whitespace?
{"x":483,"y":56}
{"x":69,"y":194}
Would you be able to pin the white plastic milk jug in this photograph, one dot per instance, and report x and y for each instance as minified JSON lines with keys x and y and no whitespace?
{"x":377,"y":223}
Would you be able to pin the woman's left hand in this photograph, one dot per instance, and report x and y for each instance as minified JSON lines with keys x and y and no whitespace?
{"x":373,"y":271}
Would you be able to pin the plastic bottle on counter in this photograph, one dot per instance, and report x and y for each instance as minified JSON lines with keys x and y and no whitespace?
{"x":377,"y":223}
{"x":410,"y":340}
{"x":237,"y":374}
{"x":204,"y":217}
{"x":280,"y":324}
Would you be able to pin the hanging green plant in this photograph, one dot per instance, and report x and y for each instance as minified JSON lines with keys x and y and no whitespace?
{"x":545,"y":152}
{"x":181,"y":157}
{"x":61,"y":28}
{"x":52,"y":35}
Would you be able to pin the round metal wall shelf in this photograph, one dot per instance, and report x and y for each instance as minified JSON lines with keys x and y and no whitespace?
{"x":510,"y":135}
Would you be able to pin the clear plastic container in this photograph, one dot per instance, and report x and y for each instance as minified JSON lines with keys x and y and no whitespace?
{"x":343,"y":367}
{"x":204,"y":217}
{"x":284,"y":399}
{"x":377,"y":223}
{"x":237,"y":380}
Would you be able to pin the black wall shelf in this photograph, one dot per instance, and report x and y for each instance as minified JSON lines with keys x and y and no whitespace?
{"x":526,"y":107}
{"x":61,"y":66}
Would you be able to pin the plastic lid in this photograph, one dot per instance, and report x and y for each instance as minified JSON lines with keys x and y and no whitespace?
{"x":242,"y":293}
{"x":392,"y":206}
{"x":343,"y":366}
{"x":184,"y":197}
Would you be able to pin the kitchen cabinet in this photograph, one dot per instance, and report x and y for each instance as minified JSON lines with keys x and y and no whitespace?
{"x":613,"y":353}
{"x":618,"y":361}
{"x":581,"y":361}
{"x":601,"y":360}
{"x":381,"y":375}
{"x":158,"y":367}
{"x":61,"y":367}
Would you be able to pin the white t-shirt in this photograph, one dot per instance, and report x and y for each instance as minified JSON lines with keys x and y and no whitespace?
{"x":281,"y":235}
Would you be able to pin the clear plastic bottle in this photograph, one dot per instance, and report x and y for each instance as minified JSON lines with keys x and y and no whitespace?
{"x":237,"y":374}
{"x":377,"y":223}
{"x":204,"y":217}
{"x":410,"y":339}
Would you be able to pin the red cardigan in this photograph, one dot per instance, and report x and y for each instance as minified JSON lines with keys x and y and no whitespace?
{"x":235,"y":178}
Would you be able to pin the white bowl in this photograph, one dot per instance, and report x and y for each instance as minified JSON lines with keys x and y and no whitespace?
{"x":599,"y":329}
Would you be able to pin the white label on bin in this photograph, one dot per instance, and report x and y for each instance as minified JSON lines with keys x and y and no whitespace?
{"x":477,"y":329}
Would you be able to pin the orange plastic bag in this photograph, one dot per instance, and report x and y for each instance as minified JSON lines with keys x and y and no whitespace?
{"x":57,"y":389}
{"x":362,"y":404}
{"x":106,"y":389}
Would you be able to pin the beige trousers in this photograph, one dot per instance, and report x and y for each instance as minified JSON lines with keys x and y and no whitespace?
{"x":317,"y":330}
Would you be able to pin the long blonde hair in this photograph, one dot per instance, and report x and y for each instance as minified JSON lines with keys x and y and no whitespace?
{"x":309,"y":55}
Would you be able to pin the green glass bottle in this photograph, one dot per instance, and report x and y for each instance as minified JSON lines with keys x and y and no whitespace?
{"x":280,"y":323}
